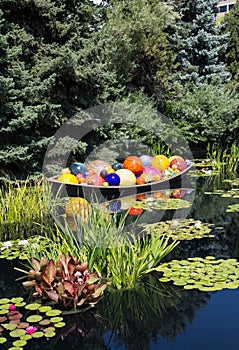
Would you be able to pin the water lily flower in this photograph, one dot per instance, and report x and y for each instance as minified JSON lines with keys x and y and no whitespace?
{"x":31,"y":329}
{"x":12,"y":307}
{"x":7,"y":245}
{"x":23,"y":242}
{"x":198,"y":224}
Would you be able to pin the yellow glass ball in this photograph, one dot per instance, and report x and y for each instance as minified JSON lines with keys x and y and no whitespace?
{"x":160,"y":162}
{"x":68,"y":178}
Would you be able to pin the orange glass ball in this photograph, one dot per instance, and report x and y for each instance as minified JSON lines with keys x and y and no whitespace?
{"x":133,"y":164}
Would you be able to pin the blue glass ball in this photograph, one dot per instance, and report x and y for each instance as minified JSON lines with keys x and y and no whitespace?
{"x":113,"y":179}
{"x":78,"y":168}
{"x":117,"y":166}
{"x":146,"y":160}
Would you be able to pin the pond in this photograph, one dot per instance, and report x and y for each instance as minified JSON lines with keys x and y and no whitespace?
{"x":158,"y":314}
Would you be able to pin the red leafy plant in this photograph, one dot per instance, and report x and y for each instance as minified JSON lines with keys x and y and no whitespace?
{"x":66,"y":282}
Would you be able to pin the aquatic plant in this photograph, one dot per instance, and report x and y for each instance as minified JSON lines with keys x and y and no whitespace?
{"x":66,"y":282}
{"x":181,"y":229}
{"x":22,"y":326}
{"x":224,"y":161}
{"x":161,"y":203}
{"x":233,"y":208}
{"x":206,"y":274}
{"x":24,"y":209}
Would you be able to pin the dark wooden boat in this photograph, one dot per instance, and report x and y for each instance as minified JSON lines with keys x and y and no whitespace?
{"x":102,"y":193}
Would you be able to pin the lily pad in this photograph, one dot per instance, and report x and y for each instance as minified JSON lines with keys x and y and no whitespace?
{"x":33,"y":306}
{"x":4,"y":301}
{"x":18,"y":343}
{"x":34,"y":318}
{"x":2,"y":340}
{"x":38,"y":334}
{"x":45,"y":308}
{"x":53,"y":313}
{"x":49,"y":334}
{"x":44,"y":322}
{"x":181,"y":229}
{"x":17,"y":333}
{"x":56,"y":319}
{"x":59,"y":324}
{"x":206,"y":274}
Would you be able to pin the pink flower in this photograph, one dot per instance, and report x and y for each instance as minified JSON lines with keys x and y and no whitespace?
{"x":31,"y":329}
{"x":12,"y":307}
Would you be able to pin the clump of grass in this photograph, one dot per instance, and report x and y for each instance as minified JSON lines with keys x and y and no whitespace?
{"x":224,"y":161}
{"x":24,"y":209}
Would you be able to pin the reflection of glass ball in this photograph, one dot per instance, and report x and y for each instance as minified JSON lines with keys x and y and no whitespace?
{"x":127,"y":177}
{"x":77,"y":168}
{"x":113,"y":179}
{"x":115,"y":206}
{"x":127,"y":202}
{"x":146,"y":160}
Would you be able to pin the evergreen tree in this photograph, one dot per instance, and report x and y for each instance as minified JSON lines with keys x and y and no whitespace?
{"x":52,"y":64}
{"x":231,"y":21}
{"x":143,"y":56}
{"x":199,"y":44}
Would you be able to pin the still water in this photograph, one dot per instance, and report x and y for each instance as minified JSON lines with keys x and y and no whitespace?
{"x":160,"y":315}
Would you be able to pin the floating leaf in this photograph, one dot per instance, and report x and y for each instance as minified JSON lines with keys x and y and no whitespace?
{"x":206,"y":274}
{"x":56,"y":319}
{"x":33,"y":306}
{"x":26,"y":337}
{"x":59,"y":324}
{"x":4,"y":306}
{"x":45,"y":308}
{"x":37,"y":334}
{"x":23,"y":325}
{"x":3,"y":319}
{"x":53,"y":313}
{"x":2,"y":340}
{"x":4,"y":301}
{"x":19,"y":343}
{"x":34,"y":318}
{"x":15,"y":300}
{"x":15,"y":348}
{"x":49,"y":334}
{"x":9,"y":326}
{"x":49,"y":329}
{"x":44,"y":322}
{"x":17,"y":333}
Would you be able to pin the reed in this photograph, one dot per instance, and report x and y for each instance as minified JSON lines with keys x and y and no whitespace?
{"x":224,"y":161}
{"x":24,"y":210}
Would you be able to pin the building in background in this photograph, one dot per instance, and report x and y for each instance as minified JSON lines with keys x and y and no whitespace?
{"x":225,"y":6}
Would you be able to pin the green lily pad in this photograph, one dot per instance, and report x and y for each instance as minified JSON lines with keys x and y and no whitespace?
{"x":17,"y":333}
{"x":45,"y":308}
{"x":38,"y":334}
{"x":33,"y":306}
{"x":15,"y":348}
{"x":16,"y":300}
{"x":34,"y":318}
{"x":4,"y":301}
{"x":56,"y":319}
{"x":49,"y":334}
{"x":51,"y":328}
{"x":2,"y":340}
{"x":53,"y":313}
{"x":9,"y":326}
{"x":18,"y":343}
{"x":26,"y":337}
{"x":206,"y":274}
{"x":59,"y":324}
